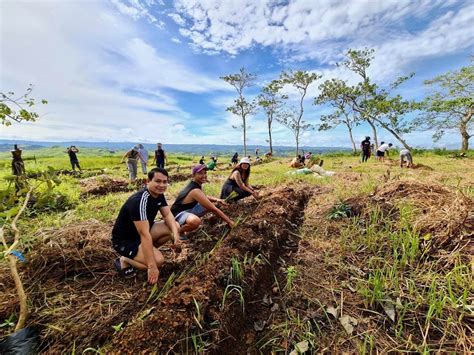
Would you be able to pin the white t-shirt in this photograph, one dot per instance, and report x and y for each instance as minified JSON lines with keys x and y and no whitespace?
{"x":383,"y":148}
{"x":404,"y":152}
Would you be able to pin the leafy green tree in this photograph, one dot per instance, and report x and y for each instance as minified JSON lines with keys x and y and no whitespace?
{"x":242,"y":107}
{"x":451,"y":105}
{"x":271,"y":100}
{"x":335,"y":92}
{"x":300,"y":80}
{"x":17,"y":109}
{"x":376,"y":105}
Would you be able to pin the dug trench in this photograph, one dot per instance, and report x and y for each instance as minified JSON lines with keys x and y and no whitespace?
{"x":78,"y":302}
{"x":213,"y":309}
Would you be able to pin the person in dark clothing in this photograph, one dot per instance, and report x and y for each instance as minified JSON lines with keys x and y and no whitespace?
{"x":235,"y":159}
{"x":191,"y":203}
{"x":72,"y":151}
{"x":160,"y":156}
{"x":201,"y":161}
{"x":238,"y":181}
{"x":136,"y":236}
{"x":18,"y":166}
{"x":365,"y":147}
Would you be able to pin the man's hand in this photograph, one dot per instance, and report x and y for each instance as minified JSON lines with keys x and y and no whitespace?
{"x":153,"y":274}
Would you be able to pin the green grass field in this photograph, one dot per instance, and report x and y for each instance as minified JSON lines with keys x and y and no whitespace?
{"x":430,"y":295}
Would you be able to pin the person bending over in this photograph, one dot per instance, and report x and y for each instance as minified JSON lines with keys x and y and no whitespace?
{"x":382,"y":150}
{"x":191,"y":203}
{"x":238,"y":181}
{"x":136,"y":236}
{"x":406,"y":158}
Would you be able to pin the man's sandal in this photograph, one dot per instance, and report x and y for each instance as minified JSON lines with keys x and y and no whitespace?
{"x":127,"y":272}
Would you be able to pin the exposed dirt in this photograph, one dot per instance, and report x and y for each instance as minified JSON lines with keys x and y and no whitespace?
{"x":76,"y":297}
{"x":445,"y":218}
{"x":104,"y":184}
{"x":264,"y":228}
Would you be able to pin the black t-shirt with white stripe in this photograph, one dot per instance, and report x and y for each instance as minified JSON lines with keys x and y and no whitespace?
{"x":141,"y":206}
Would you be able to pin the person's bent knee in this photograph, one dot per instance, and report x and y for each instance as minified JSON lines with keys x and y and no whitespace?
{"x":193,"y":222}
{"x":159,"y":258}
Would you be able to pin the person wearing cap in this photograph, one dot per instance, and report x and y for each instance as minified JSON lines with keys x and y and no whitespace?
{"x":365,"y":149}
{"x":136,"y":236}
{"x":238,"y":181}
{"x":191,"y":203}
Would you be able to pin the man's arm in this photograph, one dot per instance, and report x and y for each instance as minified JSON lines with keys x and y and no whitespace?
{"x":200,"y":197}
{"x":146,"y":241}
{"x":171,"y":223}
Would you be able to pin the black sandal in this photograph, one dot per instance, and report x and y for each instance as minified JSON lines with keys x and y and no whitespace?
{"x":127,"y":272}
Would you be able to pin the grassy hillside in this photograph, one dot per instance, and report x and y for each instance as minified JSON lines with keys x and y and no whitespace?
{"x":373,"y":259}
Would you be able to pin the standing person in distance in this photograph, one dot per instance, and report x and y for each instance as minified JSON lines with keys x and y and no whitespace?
{"x":365,"y":149}
{"x":132,"y":158}
{"x":18,"y":166}
{"x":136,"y":236}
{"x":72,"y":151}
{"x":235,"y":159}
{"x":382,"y":149}
{"x":160,"y":156}
{"x":143,"y":155}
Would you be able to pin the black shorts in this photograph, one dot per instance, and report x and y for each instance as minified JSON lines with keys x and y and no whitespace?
{"x":380,"y":154}
{"x":127,"y":248}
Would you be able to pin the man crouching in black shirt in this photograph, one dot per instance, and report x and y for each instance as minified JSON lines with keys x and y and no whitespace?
{"x":136,"y":236}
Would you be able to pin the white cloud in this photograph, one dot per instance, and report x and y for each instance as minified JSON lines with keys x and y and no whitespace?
{"x":177,"y":19}
{"x":100,"y":82}
{"x":175,"y":40}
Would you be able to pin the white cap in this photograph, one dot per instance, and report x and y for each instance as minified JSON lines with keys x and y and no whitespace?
{"x":245,"y":161}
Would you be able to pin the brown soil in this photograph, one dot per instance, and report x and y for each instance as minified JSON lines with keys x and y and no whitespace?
{"x":104,"y":184}
{"x":76,"y":297}
{"x":445,"y":218}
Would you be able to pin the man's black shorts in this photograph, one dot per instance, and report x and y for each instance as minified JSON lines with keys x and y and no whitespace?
{"x":127,"y":248}
{"x":380,"y":154}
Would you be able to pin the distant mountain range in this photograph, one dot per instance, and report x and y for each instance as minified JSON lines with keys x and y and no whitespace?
{"x":204,"y":149}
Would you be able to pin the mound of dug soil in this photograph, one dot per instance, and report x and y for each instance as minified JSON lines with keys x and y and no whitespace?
{"x":78,"y":302}
{"x":104,"y":184}
{"x":444,"y":218}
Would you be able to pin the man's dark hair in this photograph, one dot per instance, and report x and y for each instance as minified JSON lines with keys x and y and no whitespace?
{"x":152,"y":172}
{"x":390,"y":144}
{"x":382,"y":142}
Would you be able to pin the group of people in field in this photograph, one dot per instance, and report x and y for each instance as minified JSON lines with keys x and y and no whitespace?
{"x":139,"y":153}
{"x":136,"y":236}
{"x":382,"y":150}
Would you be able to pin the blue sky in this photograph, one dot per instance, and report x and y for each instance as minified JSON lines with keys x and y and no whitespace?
{"x":148,"y":70}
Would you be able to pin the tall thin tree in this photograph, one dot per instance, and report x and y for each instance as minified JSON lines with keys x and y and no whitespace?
{"x":271,"y":100}
{"x":300,"y":80}
{"x":242,"y":107}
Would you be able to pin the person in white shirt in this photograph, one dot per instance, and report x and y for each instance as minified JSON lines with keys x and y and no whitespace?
{"x":143,"y":157}
{"x":405,"y":157}
{"x":382,"y":149}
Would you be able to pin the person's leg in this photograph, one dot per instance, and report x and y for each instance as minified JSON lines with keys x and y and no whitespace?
{"x":139,"y":261}
{"x":192,"y":223}
{"x":160,"y":233}
{"x":143,"y":164}
{"x":241,"y":194}
{"x":133,"y":170}
{"x":72,"y":165}
{"x":78,"y":166}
